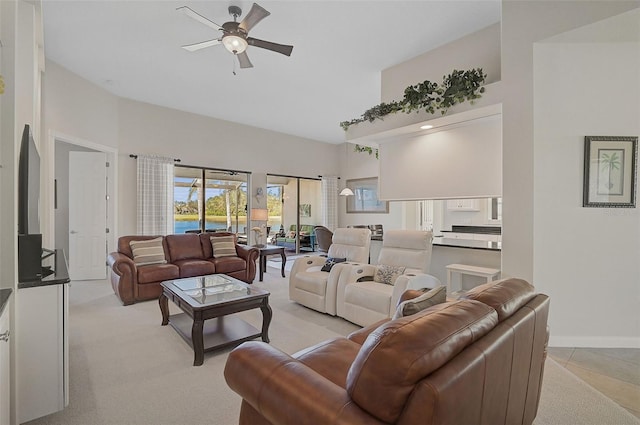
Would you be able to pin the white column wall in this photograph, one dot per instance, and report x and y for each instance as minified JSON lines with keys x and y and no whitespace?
{"x":586,"y":259}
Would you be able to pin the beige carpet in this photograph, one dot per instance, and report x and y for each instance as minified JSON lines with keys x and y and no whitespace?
{"x":127,"y":369}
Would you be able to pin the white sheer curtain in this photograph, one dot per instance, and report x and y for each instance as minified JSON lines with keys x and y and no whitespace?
{"x":155,"y":195}
{"x":330,"y":202}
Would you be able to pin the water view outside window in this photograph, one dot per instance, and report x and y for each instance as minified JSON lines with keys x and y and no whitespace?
{"x":219,"y":204}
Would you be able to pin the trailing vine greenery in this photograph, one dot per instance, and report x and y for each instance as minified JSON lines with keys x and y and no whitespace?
{"x":368,"y":149}
{"x":429,"y":97}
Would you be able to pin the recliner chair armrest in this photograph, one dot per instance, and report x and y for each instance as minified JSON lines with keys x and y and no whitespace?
{"x":301,"y":264}
{"x":350,"y":274}
{"x":411,"y":281}
{"x":264,"y":377}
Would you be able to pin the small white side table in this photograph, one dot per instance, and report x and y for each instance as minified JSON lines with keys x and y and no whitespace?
{"x":486,"y":272}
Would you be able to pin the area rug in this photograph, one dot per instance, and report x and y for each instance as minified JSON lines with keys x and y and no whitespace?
{"x":276,"y":262}
{"x":124,"y":368}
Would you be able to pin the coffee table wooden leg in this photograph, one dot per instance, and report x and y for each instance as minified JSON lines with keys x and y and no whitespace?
{"x":198,"y":342}
{"x":284,"y":261}
{"x":266,"y":319}
{"x":164,"y":308}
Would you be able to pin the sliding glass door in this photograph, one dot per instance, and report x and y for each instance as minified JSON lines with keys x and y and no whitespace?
{"x":209,"y":200}
{"x":295,"y":208}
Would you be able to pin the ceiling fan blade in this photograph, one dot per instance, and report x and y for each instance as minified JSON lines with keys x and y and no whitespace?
{"x":198,"y":17}
{"x":280,"y":48}
{"x":244,"y":60}
{"x":201,"y":45}
{"x":255,"y":15}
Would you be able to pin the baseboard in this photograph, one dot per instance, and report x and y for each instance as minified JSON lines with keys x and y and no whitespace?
{"x":594,"y":342}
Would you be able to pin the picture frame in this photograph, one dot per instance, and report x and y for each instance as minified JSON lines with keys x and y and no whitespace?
{"x":305,"y":210}
{"x":365,"y":197}
{"x":610,"y":171}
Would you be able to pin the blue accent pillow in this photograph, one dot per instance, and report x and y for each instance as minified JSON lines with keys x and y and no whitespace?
{"x":332,"y":262}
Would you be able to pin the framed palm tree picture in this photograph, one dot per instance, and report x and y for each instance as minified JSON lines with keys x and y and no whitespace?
{"x":610,"y":170}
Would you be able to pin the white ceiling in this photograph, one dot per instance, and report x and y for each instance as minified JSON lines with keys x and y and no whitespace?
{"x":132,"y":49}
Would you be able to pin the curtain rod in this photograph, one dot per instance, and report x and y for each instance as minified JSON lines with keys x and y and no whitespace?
{"x":321,"y":177}
{"x":136,"y":156}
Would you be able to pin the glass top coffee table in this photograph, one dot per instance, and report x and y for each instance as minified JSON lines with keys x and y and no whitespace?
{"x":207,"y":303}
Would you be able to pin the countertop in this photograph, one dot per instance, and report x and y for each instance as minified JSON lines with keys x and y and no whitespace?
{"x":4,"y":298}
{"x":59,"y":273}
{"x":467,"y":243}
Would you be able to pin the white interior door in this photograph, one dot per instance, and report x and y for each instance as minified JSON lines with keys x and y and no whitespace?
{"x":87,"y":215}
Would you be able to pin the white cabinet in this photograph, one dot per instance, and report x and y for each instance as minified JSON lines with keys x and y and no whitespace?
{"x":463,"y":205}
{"x":5,"y":388}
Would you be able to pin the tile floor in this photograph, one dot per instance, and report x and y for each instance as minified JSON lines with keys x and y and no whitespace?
{"x":615,"y":372}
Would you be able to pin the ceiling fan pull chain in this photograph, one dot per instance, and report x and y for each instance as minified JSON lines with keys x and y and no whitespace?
{"x":233,"y":60}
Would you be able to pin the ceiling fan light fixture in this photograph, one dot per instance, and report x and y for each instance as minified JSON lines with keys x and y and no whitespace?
{"x":234,"y":43}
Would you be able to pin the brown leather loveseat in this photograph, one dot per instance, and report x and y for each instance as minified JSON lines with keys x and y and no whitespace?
{"x":477,"y":360}
{"x":185,"y":255}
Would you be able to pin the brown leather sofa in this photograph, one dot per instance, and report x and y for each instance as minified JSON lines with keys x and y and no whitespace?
{"x":477,"y":360}
{"x":187,"y":255}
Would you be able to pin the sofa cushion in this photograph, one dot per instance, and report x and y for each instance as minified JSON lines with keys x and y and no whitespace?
{"x":430,"y":298}
{"x":506,"y":296}
{"x":184,"y":247}
{"x":416,"y":345}
{"x":190,"y":268}
{"x":147,"y":252}
{"x":331,"y":358}
{"x":313,"y":282}
{"x":229,"y":264}
{"x":157,"y":273}
{"x":328,"y":265}
{"x":387,"y":274}
{"x":371,"y":295}
{"x":223,"y":246}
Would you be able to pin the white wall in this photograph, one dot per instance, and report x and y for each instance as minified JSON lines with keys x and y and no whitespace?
{"x":356,"y":165}
{"x":525,"y":23}
{"x":478,"y":50}
{"x":202,"y":141}
{"x":605,"y":239}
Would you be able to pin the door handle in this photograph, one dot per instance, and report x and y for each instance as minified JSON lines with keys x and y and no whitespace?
{"x":5,"y":336}
{"x":73,"y":232}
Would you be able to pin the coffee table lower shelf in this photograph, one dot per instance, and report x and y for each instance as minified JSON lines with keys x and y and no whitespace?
{"x":217,"y":333}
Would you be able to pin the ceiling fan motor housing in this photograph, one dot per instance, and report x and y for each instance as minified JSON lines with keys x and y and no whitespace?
{"x":235,"y":11}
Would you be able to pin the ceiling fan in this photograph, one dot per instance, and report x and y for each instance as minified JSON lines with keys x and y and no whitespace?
{"x":235,"y":35}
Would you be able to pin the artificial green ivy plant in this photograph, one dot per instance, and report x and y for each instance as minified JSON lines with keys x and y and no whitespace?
{"x":429,"y":97}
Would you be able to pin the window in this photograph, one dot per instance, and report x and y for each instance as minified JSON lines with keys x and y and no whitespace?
{"x":209,"y":200}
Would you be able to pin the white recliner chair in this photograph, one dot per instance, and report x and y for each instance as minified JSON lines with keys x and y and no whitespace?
{"x":316,"y":289}
{"x":362,"y":300}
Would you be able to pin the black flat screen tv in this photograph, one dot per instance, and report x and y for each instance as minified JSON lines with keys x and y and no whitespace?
{"x":28,"y":185}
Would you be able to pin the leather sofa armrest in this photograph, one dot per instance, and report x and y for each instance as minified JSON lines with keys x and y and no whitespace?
{"x":124,"y":276}
{"x":122,"y":265}
{"x":247,"y":253}
{"x":361,"y":335}
{"x":265,"y":376}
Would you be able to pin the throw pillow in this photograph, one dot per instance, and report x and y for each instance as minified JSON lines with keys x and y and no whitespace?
{"x":148,"y":252}
{"x":430,"y":298}
{"x":387,"y":274}
{"x":328,"y":265}
{"x":223,"y":246}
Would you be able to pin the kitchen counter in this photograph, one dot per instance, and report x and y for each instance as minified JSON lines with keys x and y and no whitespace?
{"x":467,"y":243}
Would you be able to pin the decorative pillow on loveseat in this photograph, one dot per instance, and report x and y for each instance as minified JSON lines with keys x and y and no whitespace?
{"x":223,"y":246}
{"x":387,"y":274}
{"x":437,"y":295}
{"x":328,"y":265}
{"x":147,"y":252}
